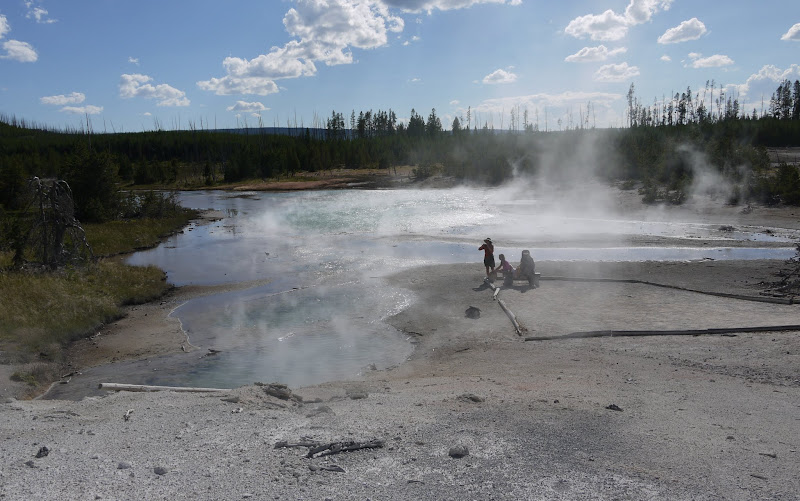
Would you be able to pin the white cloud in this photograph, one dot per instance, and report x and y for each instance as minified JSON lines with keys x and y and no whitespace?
{"x":687,"y":30}
{"x":793,"y":33}
{"x":4,"y":26}
{"x":715,"y":61}
{"x":83,"y":110}
{"x":500,"y":77}
{"x":640,"y":11}
{"x":19,"y":51}
{"x":430,"y":5}
{"x":38,"y":13}
{"x":763,"y":84}
{"x":610,"y":26}
{"x":137,"y":85}
{"x":665,"y":58}
{"x":615,"y":73}
{"x":134,"y":60}
{"x":245,"y":106}
{"x":61,"y":99}
{"x":593,"y":54}
{"x":324,"y":31}
{"x":454,"y":102}
{"x":415,"y":80}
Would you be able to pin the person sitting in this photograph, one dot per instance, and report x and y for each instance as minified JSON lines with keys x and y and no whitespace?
{"x":506,"y":269}
{"x":527,"y":268}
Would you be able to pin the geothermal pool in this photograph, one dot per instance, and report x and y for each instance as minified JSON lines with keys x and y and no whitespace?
{"x":321,"y":254}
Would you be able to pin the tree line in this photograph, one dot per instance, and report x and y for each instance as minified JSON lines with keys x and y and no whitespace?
{"x":658,"y":150}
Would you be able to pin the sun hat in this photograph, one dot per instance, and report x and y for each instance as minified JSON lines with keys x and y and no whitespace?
{"x":488,"y":240}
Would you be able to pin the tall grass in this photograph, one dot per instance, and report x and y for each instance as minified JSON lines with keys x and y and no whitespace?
{"x":43,"y":309}
{"x":118,"y":237}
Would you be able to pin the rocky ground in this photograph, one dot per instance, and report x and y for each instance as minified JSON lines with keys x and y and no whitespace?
{"x":477,"y":412}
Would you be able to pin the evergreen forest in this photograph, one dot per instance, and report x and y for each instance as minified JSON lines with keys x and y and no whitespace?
{"x":661,"y":151}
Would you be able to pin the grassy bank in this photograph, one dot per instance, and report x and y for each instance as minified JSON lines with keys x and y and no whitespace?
{"x":42,"y":312}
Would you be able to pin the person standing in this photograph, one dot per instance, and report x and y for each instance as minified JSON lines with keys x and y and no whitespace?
{"x":488,"y":256}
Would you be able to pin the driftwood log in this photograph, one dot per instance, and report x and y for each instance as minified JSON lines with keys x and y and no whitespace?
{"x":145,"y":387}
{"x":316,"y":449}
{"x":685,"y":332}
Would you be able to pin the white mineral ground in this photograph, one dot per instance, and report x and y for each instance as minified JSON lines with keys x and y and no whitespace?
{"x":700,"y":417}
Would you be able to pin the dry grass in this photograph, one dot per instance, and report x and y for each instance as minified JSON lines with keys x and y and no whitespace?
{"x":45,"y":309}
{"x":117,"y":237}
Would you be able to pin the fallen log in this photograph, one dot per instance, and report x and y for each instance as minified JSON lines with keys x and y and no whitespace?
{"x":145,"y":387}
{"x":337,"y":447}
{"x":510,"y":314}
{"x":683,"y":332}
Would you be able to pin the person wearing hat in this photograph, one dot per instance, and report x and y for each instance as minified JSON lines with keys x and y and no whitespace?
{"x":488,"y":256}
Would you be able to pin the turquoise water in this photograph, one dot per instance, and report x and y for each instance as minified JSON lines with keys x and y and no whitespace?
{"x":320,"y":316}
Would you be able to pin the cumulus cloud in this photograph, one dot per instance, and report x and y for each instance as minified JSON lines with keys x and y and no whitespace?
{"x":83,"y":110}
{"x":715,"y":61}
{"x":19,"y":51}
{"x":610,"y":25}
{"x":134,"y":60}
{"x":665,"y":58}
{"x":500,"y":77}
{"x":430,"y":5}
{"x":247,"y":107}
{"x":4,"y":26}
{"x":687,"y":30}
{"x":323,"y":31}
{"x":137,"y":85}
{"x":763,"y":84}
{"x":615,"y":73}
{"x":14,"y":49}
{"x":62,"y":100}
{"x":594,"y":54}
{"x":793,"y":33}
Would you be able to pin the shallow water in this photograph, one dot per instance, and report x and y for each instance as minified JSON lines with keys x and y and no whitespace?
{"x":320,"y":317}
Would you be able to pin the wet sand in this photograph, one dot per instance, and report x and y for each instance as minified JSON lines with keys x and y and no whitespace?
{"x":661,"y":417}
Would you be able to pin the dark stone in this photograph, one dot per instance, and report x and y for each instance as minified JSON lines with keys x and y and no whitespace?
{"x":43,"y":451}
{"x":160,"y":470}
{"x":614,"y":407}
{"x":472,"y":312}
{"x":458,"y":451}
{"x":470,"y":397}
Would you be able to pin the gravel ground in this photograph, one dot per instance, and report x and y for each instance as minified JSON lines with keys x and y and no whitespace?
{"x":707,"y":417}
{"x":477,"y":412}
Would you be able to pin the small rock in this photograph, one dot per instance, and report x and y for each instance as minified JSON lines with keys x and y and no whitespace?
{"x":470,"y":397}
{"x":614,"y":407}
{"x":160,"y":470}
{"x":30,"y":463}
{"x":122,"y":465}
{"x":322,"y":409}
{"x":43,"y":451}
{"x":458,"y":451}
{"x":472,"y":312}
{"x":357,"y":394}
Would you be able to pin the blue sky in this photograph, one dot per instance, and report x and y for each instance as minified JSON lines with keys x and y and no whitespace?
{"x":132,"y":66}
